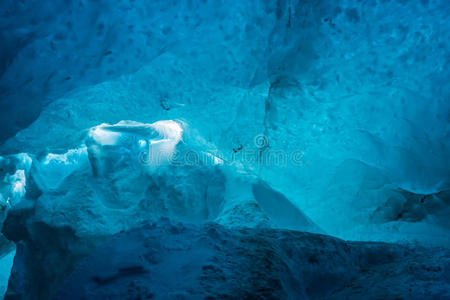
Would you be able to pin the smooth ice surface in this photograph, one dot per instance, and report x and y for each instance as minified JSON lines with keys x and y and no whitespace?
{"x":6,"y":263}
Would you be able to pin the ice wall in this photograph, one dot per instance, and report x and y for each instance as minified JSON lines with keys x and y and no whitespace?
{"x":353,"y":95}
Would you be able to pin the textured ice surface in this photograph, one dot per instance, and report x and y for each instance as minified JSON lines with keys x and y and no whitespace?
{"x":125,"y":174}
{"x":344,"y":181}
{"x":161,"y":261}
{"x":130,"y":171}
{"x":356,"y":96}
{"x":325,"y":116}
{"x":14,"y":171}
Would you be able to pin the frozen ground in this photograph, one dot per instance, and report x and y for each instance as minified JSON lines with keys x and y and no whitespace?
{"x":161,"y":261}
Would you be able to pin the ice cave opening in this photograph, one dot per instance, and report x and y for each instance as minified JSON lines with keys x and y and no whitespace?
{"x":213,"y":149}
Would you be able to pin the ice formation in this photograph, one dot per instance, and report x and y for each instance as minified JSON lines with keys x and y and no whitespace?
{"x":14,"y":172}
{"x":246,"y":119}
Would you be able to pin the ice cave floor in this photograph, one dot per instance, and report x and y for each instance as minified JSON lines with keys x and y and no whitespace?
{"x":175,"y":261}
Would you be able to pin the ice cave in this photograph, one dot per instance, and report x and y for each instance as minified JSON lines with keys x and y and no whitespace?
{"x":224,"y":149}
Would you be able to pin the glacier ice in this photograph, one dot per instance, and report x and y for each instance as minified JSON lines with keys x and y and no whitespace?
{"x":6,"y":263}
{"x":14,"y":170}
{"x":53,"y":169}
{"x":154,"y":144}
{"x":315,"y":184}
{"x":129,"y":173}
{"x":211,"y":260}
{"x":14,"y":175}
{"x":153,"y":169}
{"x":280,"y":210}
{"x":323,"y":116}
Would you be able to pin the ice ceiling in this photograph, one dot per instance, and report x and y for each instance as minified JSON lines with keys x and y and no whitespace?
{"x":328,"y":116}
